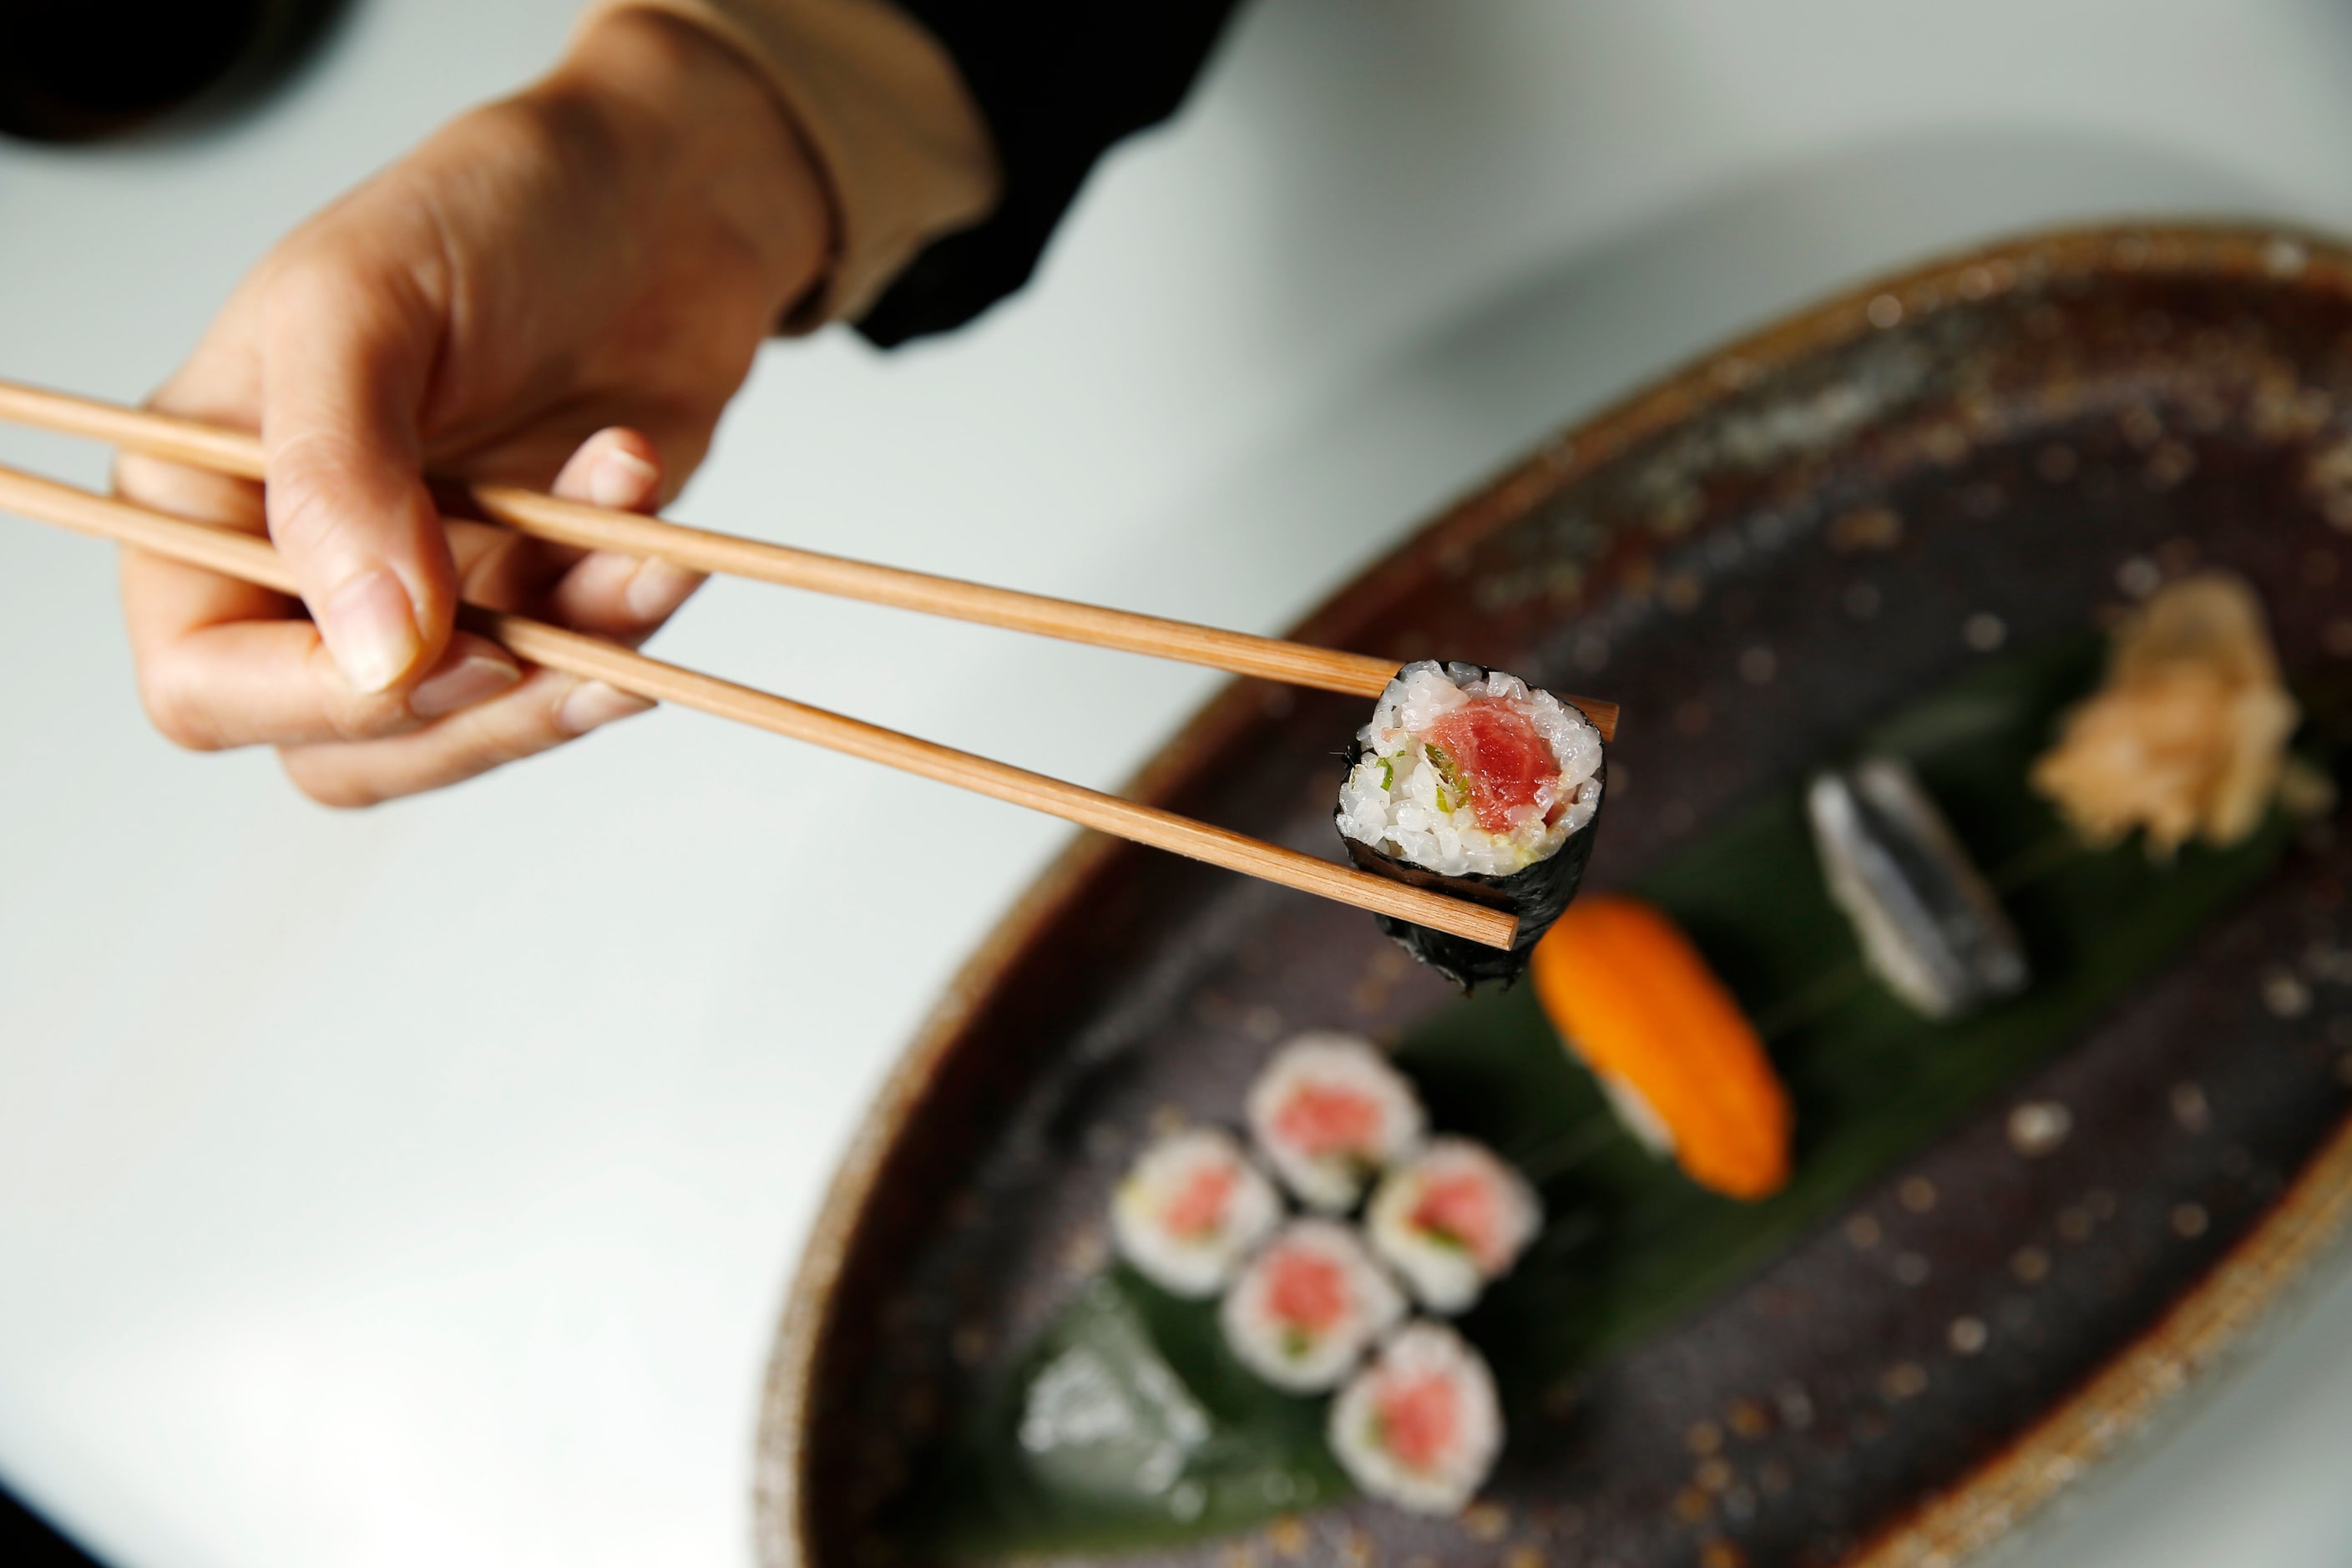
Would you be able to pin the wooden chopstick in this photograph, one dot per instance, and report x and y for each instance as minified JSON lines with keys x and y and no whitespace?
{"x":702,"y":550}
{"x":254,"y":560}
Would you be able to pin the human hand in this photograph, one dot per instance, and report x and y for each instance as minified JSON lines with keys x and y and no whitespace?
{"x":561,"y":290}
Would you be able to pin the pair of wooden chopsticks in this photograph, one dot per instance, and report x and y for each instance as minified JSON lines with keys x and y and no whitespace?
{"x":253,"y":559}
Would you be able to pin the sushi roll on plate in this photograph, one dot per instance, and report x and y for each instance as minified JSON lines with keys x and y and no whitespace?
{"x":1420,"y":1426}
{"x":1307,"y":1305}
{"x":1191,"y":1209}
{"x":1469,"y":782}
{"x":1330,"y":1113}
{"x":1452,"y":1220}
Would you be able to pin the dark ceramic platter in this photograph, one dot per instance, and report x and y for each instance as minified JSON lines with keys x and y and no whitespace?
{"x":2049,"y":420}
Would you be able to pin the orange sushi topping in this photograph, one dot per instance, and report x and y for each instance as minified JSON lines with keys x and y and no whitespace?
{"x":1630,"y":995}
{"x":1198,"y":1206}
{"x":1306,"y":1289}
{"x":1420,"y":1420}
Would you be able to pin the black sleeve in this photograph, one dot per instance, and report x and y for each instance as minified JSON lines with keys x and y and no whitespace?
{"x":1058,"y":82}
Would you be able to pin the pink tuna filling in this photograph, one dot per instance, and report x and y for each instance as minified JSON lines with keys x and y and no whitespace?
{"x":1499,"y":754}
{"x":1420,"y":1420}
{"x":1465,"y":1209}
{"x":1198,"y":1205}
{"x":1322,"y":1119}
{"x":1305,"y":1290}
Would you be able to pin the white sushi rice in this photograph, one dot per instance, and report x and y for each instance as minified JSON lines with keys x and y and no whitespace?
{"x":1445,"y":1271}
{"x":1367,"y":1442}
{"x":1273,"y":1343}
{"x":1635,"y":1113}
{"x":1148,"y":1211}
{"x":1333,"y":1069}
{"x":1396,"y":800}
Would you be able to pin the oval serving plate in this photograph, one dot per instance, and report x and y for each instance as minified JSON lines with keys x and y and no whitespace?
{"x":1759,"y":558}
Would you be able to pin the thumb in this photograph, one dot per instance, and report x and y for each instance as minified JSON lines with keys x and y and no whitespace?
{"x":346,"y":358}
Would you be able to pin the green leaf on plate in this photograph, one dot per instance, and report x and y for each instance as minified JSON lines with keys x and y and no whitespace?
{"x":1130,"y":1424}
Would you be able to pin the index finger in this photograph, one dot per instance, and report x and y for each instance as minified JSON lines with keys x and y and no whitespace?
{"x":165,"y":601}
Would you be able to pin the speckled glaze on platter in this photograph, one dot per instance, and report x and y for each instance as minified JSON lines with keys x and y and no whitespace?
{"x":2051,"y":420}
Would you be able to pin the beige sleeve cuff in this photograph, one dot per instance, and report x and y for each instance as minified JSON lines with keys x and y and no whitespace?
{"x":904,"y":153}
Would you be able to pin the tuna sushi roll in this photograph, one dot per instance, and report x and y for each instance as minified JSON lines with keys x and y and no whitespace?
{"x":1452,"y":1221}
{"x":1191,"y":1209}
{"x":1468,"y":782}
{"x":1307,"y":1305}
{"x":1420,"y":1426}
{"x":1330,"y":1113}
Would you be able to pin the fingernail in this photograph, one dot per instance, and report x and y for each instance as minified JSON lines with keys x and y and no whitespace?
{"x":371,"y":630}
{"x":478,"y":676}
{"x":656,"y":588}
{"x":620,"y":478}
{"x":594,"y":704}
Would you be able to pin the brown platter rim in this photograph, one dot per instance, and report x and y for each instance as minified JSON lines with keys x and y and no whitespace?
{"x":2135,"y":1384}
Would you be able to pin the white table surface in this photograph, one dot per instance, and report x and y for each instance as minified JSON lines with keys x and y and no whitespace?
{"x":422,"y":1186}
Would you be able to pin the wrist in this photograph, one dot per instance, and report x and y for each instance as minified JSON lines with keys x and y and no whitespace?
{"x":674,"y":110}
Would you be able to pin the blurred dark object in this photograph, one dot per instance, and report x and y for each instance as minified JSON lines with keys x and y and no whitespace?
{"x":81,"y":70}
{"x":26,"y":1540}
{"x":1060,"y":82}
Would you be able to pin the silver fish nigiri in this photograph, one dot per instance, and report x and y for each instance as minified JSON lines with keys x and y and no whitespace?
{"x":1929,"y":926}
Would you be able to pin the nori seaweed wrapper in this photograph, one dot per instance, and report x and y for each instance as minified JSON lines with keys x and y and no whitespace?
{"x":1537,"y":894}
